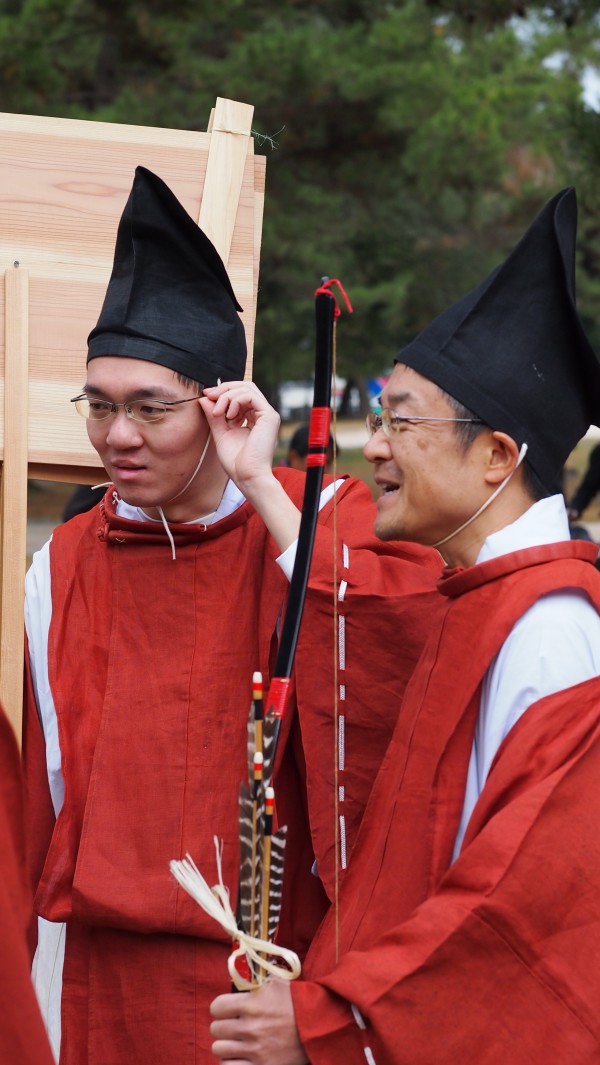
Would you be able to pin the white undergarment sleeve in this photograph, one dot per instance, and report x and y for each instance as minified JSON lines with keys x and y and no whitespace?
{"x":553,"y":646}
{"x":46,"y":974}
{"x":38,"y":613}
{"x":288,"y":557}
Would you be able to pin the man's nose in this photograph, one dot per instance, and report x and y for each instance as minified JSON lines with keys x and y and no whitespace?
{"x":377,"y":447}
{"x":123,"y":431}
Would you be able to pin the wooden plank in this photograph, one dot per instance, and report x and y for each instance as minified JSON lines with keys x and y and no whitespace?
{"x":42,"y":126}
{"x":231,"y":125}
{"x":260,"y":166}
{"x":44,"y":471}
{"x":63,"y":185}
{"x":228,"y":206}
{"x":13,"y":525}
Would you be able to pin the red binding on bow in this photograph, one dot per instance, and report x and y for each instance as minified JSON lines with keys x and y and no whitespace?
{"x":320,"y":417}
{"x":325,"y":288}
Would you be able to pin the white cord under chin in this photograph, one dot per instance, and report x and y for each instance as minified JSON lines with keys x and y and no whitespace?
{"x":200,"y":461}
{"x":451,"y":536}
{"x":181,"y":491}
{"x":186,"y":486}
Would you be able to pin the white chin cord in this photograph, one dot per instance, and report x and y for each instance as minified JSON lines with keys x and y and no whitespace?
{"x":487,"y":503}
{"x":181,"y":491}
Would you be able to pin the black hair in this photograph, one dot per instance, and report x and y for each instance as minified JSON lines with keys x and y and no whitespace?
{"x":467,"y":432}
{"x":189,"y":382}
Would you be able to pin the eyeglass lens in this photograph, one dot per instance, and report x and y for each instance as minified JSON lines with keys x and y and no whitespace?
{"x":139,"y":409}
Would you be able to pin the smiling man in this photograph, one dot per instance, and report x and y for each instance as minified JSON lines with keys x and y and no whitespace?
{"x":468,"y":926}
{"x":146,"y":619}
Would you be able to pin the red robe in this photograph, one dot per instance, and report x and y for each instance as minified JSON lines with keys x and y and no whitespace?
{"x":22,"y":1037}
{"x":150,"y":665}
{"x":375,"y":591}
{"x":496,"y":957}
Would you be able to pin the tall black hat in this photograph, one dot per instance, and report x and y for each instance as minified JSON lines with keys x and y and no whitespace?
{"x":514,"y":350}
{"x":169,"y":299}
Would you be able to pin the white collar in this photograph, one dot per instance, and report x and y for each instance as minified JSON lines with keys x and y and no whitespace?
{"x":545,"y":522}
{"x":231,"y":499}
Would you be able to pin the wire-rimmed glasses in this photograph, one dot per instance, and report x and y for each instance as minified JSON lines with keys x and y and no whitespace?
{"x":141,"y":410}
{"x":393,"y":423}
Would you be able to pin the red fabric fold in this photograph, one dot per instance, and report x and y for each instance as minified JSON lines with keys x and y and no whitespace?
{"x":151,"y":664}
{"x":22,"y":1036}
{"x":493,"y":958}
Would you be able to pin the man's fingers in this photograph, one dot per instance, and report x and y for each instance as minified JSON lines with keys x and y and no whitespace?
{"x":226,"y":1006}
{"x":234,"y":396}
{"x":257,"y":1028}
{"x":234,"y":409}
{"x":229,"y":1043}
{"x":227,"y":1030}
{"x":226,"y":1052}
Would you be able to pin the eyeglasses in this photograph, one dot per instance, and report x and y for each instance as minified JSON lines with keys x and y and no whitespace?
{"x":141,"y":410}
{"x":393,"y":424}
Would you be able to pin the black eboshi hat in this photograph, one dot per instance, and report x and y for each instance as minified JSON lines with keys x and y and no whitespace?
{"x":169,"y":299}
{"x":514,"y":350}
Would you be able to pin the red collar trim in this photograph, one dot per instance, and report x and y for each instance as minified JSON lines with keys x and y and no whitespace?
{"x":457,"y":581}
{"x":115,"y":529}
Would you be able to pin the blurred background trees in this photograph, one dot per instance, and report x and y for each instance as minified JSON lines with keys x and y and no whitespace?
{"x":409,"y":143}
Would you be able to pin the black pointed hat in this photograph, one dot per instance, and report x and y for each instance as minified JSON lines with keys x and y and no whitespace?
{"x":514,"y":350}
{"x":169,"y":299}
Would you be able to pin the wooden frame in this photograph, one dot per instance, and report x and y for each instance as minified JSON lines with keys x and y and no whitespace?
{"x":63,"y":186}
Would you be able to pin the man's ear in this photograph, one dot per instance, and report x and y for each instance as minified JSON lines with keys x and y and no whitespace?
{"x":502,"y":457}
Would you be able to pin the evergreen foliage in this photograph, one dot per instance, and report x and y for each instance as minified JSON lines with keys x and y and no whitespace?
{"x":412,"y":141}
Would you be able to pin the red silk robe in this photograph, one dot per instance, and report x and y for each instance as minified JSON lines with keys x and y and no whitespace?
{"x":494,"y":958}
{"x":150,"y":664}
{"x":22,"y":1037}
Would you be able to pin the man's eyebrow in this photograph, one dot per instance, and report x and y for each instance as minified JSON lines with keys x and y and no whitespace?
{"x":160,"y":392}
{"x":393,"y":398}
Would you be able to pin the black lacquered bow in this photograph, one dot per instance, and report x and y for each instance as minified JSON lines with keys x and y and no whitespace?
{"x":326,"y":311}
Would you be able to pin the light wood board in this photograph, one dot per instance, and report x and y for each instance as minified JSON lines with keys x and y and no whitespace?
{"x":63,"y":187}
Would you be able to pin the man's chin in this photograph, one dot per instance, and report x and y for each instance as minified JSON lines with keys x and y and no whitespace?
{"x":138,"y":499}
{"x":385,"y":530}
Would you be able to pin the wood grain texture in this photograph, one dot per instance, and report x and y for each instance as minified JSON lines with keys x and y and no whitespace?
{"x":63,"y":186}
{"x":13,"y":494}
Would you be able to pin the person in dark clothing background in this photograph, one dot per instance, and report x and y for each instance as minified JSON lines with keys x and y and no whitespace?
{"x":298,"y":449}
{"x":82,"y":498}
